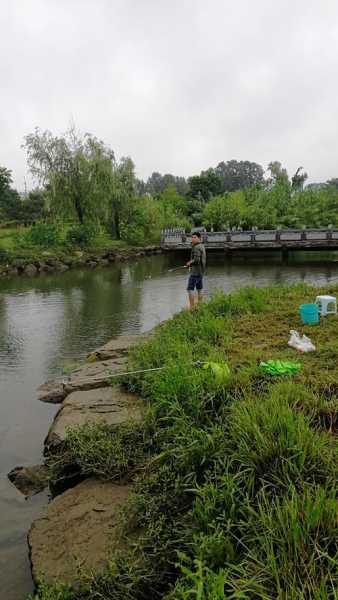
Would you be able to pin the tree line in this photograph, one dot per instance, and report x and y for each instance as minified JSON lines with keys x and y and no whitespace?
{"x":80,"y":180}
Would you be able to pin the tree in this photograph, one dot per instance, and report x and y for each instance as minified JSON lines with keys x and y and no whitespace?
{"x":33,"y":207}
{"x":333,"y":182}
{"x":225,"y":212}
{"x":121,"y":191}
{"x":74,"y":170}
{"x":238,"y":175}
{"x":204,"y":186}
{"x":172,"y":209}
{"x":157,"y":183}
{"x":171,"y":200}
{"x":277,"y":173}
{"x":5,"y":181}
{"x":298,"y":180}
{"x":10,"y":201}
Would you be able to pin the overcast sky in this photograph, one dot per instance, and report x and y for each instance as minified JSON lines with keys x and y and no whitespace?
{"x":179,"y":85}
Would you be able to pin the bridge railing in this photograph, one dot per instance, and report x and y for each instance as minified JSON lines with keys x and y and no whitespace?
{"x":178,"y":236}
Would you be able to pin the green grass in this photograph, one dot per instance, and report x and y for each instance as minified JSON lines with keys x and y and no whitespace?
{"x":235,"y":484}
{"x":15,"y":245}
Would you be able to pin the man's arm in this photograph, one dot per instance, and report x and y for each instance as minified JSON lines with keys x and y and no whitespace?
{"x":196,"y":260}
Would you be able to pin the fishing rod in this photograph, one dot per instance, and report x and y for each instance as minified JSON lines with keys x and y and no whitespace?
{"x":196,"y":363}
{"x":177,"y":269}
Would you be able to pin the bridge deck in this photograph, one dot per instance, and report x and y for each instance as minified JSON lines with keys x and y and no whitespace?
{"x":292,"y":239}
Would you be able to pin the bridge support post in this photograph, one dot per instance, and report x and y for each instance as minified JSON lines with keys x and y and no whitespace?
{"x":285,"y":255}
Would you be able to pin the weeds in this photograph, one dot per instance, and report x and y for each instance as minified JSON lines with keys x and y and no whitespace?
{"x":100,"y":450}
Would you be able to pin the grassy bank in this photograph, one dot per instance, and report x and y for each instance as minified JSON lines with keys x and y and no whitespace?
{"x":235,"y":482}
{"x":47,"y":246}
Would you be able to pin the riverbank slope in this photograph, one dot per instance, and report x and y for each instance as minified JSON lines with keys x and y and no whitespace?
{"x":233,"y":478}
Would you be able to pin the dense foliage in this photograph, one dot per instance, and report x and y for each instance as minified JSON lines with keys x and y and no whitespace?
{"x":82,"y":183}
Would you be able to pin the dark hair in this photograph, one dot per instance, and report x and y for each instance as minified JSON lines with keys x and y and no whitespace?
{"x":197,"y":234}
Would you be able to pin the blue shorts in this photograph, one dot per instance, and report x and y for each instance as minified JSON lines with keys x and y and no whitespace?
{"x":195,"y":281}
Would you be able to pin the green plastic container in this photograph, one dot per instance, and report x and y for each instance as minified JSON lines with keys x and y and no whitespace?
{"x":309,"y":314}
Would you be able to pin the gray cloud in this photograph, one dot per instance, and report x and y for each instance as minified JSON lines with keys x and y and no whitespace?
{"x":178,"y":86}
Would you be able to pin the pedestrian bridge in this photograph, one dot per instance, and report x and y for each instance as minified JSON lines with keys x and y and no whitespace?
{"x":260,"y":239}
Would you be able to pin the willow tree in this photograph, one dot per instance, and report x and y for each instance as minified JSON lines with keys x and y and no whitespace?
{"x":82,"y":177}
{"x":75,"y":171}
{"x":122,"y":191}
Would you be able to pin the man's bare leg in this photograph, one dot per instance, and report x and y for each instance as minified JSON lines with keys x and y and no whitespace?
{"x":191,"y":296}
{"x":199,"y":296}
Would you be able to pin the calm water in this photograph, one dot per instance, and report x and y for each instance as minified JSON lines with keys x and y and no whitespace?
{"x":48,"y":322}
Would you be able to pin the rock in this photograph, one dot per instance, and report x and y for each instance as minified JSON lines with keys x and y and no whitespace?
{"x":78,"y":529}
{"x":104,"y":405}
{"x":68,"y":262}
{"x":94,"y":375}
{"x":52,"y":262}
{"x":91,"y":263}
{"x":150,"y":249}
{"x":30,"y":270}
{"x":52,"y":391}
{"x":116,"y":347}
{"x":19,"y":263}
{"x":46,"y":268}
{"x":29,"y":480}
{"x":87,"y":377}
{"x":103,"y":262}
{"x":13,"y":272}
{"x":78,"y":262}
{"x":61,"y":267}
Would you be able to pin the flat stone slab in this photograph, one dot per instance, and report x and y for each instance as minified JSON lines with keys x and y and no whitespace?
{"x":108,"y":405}
{"x":95,"y":375}
{"x":87,"y":377}
{"x":77,"y":531}
{"x":118,"y":346}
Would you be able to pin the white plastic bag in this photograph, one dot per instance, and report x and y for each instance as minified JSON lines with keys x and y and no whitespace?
{"x":302,"y":344}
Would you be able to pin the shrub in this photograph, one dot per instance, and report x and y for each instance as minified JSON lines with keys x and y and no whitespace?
{"x":42,"y":234}
{"x":81,"y":235}
{"x":4,"y":256}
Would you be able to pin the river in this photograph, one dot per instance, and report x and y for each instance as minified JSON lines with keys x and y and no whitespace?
{"x":49,"y":322}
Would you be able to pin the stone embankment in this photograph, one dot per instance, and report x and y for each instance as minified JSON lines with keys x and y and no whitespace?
{"x":80,"y":525}
{"x":51,"y":264}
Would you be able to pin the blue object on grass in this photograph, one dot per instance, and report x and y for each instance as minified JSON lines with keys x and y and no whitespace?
{"x":309,"y":314}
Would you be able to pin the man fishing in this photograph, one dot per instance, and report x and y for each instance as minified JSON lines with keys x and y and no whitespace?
{"x":196,"y":264}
